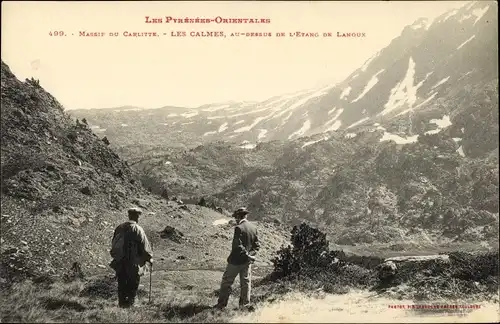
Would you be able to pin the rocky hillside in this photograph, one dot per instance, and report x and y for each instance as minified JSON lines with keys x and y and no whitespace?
{"x":64,"y":191}
{"x":365,"y":184}
{"x":58,"y":177}
{"x":430,"y":61}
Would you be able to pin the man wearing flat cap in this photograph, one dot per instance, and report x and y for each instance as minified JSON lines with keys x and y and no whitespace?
{"x":244,"y":247}
{"x":130,"y":250}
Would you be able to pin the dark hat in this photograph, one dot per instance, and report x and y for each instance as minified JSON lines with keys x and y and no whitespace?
{"x":240,"y":211}
{"x":134,"y":211}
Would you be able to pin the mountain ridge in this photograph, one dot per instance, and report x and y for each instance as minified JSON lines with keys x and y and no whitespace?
{"x":425,"y":63}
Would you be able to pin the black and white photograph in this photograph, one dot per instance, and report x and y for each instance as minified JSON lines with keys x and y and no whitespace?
{"x":249,"y":162}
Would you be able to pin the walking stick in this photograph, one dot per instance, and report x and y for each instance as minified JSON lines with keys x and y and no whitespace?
{"x":150,"y":275}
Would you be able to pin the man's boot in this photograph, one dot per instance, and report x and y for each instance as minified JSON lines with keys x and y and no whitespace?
{"x":122,"y":299}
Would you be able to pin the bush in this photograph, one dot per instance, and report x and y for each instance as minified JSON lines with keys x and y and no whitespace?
{"x":309,"y":248}
{"x":309,"y":259}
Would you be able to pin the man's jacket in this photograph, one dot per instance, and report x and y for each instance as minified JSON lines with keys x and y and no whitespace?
{"x":130,"y":244}
{"x":245,"y":243}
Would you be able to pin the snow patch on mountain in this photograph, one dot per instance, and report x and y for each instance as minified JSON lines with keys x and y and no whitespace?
{"x":420,"y":23}
{"x":336,"y":125}
{"x":223,"y":127}
{"x":465,"y":17}
{"x":262,"y":133}
{"x":249,"y":127}
{"x":210,"y":133}
{"x":305,"y":127}
{"x":398,"y":139}
{"x":373,"y":81}
{"x":331,"y":111}
{"x":345,"y":92}
{"x":314,"y":142}
{"x":189,"y":114}
{"x":358,"y":122}
{"x":239,"y":122}
{"x":479,"y":13}
{"x":443,"y":122}
{"x":440,"y":82}
{"x":336,"y":116}
{"x":468,"y":40}
{"x":216,"y":117}
{"x":350,"y":135}
{"x":460,"y":151}
{"x":247,"y":145}
{"x":449,"y":15}
{"x":419,"y":105}
{"x":405,"y":92}
{"x":470,"y":5}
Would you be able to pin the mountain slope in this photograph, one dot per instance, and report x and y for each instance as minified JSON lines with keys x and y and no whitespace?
{"x":428,"y":62}
{"x":58,"y":178}
{"x":64,"y":191}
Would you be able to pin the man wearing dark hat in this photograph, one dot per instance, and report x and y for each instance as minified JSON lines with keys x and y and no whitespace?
{"x":244,"y":247}
{"x":130,"y":250}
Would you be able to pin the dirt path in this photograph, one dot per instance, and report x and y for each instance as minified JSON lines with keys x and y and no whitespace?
{"x":362,"y":307}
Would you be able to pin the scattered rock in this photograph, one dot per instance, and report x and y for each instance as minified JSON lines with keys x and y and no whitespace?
{"x":105,"y":140}
{"x":86,"y":191}
{"x":74,"y":273}
{"x":181,"y":257}
{"x":57,"y":209}
{"x":172,"y":234}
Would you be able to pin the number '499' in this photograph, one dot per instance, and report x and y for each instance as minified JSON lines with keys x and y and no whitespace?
{"x":56,"y":33}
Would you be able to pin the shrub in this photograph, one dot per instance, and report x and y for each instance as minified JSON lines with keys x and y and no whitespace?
{"x":309,"y":258}
{"x":309,"y":248}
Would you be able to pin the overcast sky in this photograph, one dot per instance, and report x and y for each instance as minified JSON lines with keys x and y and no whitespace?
{"x":103,"y":72}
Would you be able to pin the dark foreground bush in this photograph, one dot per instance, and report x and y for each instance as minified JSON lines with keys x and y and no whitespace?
{"x":308,"y":264}
{"x":309,"y":259}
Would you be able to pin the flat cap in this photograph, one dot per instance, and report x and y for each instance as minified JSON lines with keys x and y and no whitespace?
{"x":135,"y":210}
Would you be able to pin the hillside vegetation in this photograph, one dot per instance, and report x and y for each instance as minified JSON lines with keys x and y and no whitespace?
{"x":443,"y":186}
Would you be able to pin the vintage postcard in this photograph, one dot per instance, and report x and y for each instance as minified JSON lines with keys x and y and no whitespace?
{"x":249,"y":161}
